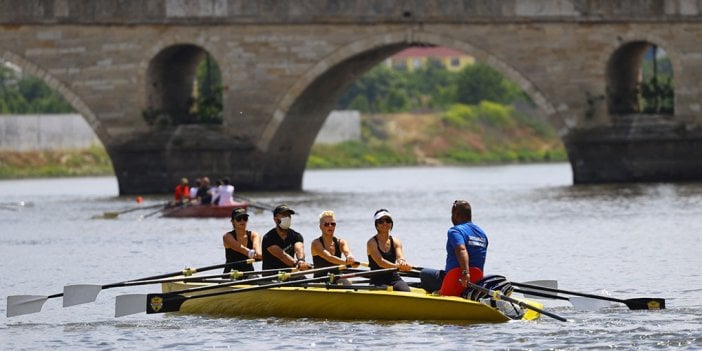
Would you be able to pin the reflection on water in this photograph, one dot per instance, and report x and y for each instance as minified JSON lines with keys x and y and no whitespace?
{"x":632,"y":240}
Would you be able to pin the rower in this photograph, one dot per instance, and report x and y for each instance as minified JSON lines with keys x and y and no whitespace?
{"x":282,"y":246}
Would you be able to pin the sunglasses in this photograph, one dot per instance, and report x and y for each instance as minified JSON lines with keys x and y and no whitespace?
{"x":242,"y":219}
{"x":329,"y":224}
{"x":383,"y":220}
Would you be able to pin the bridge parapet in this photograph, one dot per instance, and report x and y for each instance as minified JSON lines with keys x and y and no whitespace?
{"x":340,"y":12}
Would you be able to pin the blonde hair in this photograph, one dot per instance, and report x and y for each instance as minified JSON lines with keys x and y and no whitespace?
{"x":327,"y":213}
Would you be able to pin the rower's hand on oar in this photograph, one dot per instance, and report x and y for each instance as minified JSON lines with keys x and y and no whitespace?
{"x":351,"y":261}
{"x":403,"y":266}
{"x":302,"y":265}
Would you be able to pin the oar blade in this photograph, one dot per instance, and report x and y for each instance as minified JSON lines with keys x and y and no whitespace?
{"x":645,"y":303}
{"x":80,"y":293}
{"x":588,"y":304}
{"x":547,"y":283}
{"x":130,"y":304}
{"x":162,"y":303}
{"x":24,"y":304}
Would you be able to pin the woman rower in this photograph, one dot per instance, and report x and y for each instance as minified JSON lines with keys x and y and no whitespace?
{"x":327,"y":249}
{"x":241,"y":244}
{"x":385,"y":251}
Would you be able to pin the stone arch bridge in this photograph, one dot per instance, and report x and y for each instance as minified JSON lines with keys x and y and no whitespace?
{"x":285,"y":63}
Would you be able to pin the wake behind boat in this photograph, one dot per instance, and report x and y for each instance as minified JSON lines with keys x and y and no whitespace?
{"x":338,"y":303}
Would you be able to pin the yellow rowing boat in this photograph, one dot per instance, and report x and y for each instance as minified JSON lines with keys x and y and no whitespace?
{"x":360,"y":303}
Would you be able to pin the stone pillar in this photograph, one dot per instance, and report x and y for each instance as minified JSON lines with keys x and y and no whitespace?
{"x":640,"y":148}
{"x":154,"y":163}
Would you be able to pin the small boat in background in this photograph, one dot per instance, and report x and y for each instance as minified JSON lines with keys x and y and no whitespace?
{"x":202,"y":211}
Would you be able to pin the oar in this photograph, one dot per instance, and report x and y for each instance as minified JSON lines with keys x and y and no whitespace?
{"x":579,"y":303}
{"x":84,"y":293}
{"x":136,"y":303}
{"x":169,"y":302}
{"x":77,"y":294}
{"x":498,"y":295}
{"x":254,"y":203}
{"x":164,"y":208}
{"x":642,"y":303}
{"x":232,"y":276}
{"x":115,"y":214}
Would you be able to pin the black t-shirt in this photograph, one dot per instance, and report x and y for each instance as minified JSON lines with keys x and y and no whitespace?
{"x":288,"y":245}
{"x":204,"y":194}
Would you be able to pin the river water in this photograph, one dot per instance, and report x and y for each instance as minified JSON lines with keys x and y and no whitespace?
{"x":627,"y":240}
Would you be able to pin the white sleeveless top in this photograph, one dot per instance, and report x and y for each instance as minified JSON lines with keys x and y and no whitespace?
{"x":226,"y":195}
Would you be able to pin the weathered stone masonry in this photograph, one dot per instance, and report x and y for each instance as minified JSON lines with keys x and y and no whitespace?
{"x":285,"y":63}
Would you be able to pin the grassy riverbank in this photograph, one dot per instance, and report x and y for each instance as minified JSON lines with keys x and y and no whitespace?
{"x":465,"y":135}
{"x":59,"y":163}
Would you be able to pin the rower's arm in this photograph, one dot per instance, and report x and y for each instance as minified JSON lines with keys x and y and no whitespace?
{"x":276,"y":251}
{"x":463,"y":259}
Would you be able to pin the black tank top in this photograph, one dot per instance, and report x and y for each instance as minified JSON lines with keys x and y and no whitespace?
{"x":384,"y":278}
{"x":233,"y":255}
{"x":320,"y":262}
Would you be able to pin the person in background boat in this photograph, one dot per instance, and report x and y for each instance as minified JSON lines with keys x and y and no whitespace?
{"x":385,"y":251}
{"x":240,"y":243}
{"x":466,"y":249}
{"x":182,"y":192}
{"x":225,"y":193}
{"x":193,"y":190}
{"x":215,"y":191}
{"x":327,"y":249}
{"x":282,"y":246}
{"x":204,"y":195}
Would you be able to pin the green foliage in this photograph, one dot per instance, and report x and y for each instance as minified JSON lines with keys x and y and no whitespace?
{"x":486,"y":113}
{"x":479,"y":82}
{"x":658,"y":95}
{"x":356,"y":154}
{"x":208,"y":101}
{"x":460,"y":115}
{"x":431,"y":87}
{"x":25,"y":94}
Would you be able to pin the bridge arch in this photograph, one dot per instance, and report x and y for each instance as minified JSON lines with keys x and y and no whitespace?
{"x":71,"y":97}
{"x":289,"y":135}
{"x":169,"y":79}
{"x":624,"y":76}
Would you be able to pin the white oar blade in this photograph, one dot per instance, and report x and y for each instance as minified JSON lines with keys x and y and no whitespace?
{"x":80,"y":293}
{"x":24,"y":304}
{"x":547,"y":283}
{"x":587,"y":304}
{"x":130,"y":304}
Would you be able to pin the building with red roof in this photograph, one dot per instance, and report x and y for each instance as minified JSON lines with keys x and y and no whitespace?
{"x":417,"y":56}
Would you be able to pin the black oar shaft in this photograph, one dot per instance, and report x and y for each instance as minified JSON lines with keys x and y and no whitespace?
{"x":260,"y":279}
{"x":536,"y":293}
{"x":232,"y":275}
{"x":644,"y":303}
{"x":185,"y":272}
{"x":544,"y":288}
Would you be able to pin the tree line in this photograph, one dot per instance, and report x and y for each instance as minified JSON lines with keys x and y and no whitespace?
{"x":428,"y":88}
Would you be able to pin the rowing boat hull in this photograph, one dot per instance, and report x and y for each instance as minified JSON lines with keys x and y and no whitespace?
{"x":341,"y":304}
{"x":203,"y":211}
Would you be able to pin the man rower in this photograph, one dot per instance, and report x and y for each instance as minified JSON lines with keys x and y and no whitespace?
{"x":282,"y":246}
{"x":466,"y":249}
